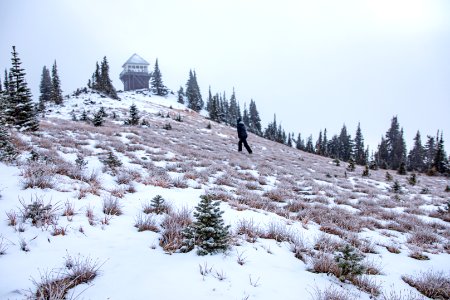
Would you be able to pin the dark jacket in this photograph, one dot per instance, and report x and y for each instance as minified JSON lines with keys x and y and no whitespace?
{"x":242,"y":132}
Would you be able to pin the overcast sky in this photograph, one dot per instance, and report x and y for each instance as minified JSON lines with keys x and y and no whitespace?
{"x":316,"y":64}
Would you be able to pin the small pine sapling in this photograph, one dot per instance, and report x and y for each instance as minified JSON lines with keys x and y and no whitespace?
{"x":412,"y":180}
{"x":98,"y":119}
{"x":80,"y":162}
{"x":351,"y":165}
{"x":112,"y":161}
{"x":337,"y":162}
{"x":349,"y":262}
{"x":396,"y":188}
{"x":134,"y":116}
{"x":158,"y":204}
{"x":388,"y":176}
{"x":208,"y":232}
{"x":84,"y":116}
{"x":447,"y":189}
{"x":402,"y":169}
{"x":167,"y":126}
{"x":366,"y":173}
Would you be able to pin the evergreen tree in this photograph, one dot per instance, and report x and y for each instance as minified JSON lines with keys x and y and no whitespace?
{"x":345,"y":145}
{"x":351,"y":165}
{"x":233,"y":111}
{"x":98,"y":119}
{"x":324,"y":143}
{"x":21,"y":107}
{"x":440,"y":162}
{"x":45,"y":88}
{"x":106,"y":85}
{"x":300,"y":143}
{"x":396,"y":146}
{"x":56,"y":93}
{"x":158,"y":204}
{"x":334,"y":147}
{"x":193,"y":94}
{"x":96,"y":82}
{"x":181,"y":95}
{"x":84,"y":116}
{"x":254,"y":125}
{"x":134,"y":115}
{"x":7,"y":150}
{"x":349,"y":262}
{"x":289,"y":141}
{"x":319,"y":144}
{"x":157,"y":85}
{"x":416,"y":157}
{"x":430,"y":152}
{"x":360,"y":154}
{"x":382,"y":156}
{"x":208,"y":232}
{"x":309,"y":145}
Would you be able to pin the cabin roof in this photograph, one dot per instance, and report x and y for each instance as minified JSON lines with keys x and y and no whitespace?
{"x":136,"y":60}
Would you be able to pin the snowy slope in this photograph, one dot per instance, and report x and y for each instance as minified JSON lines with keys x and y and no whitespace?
{"x":289,"y":196}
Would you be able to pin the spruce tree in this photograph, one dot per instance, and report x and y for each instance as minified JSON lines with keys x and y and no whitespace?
{"x":193,"y":94}
{"x":98,"y":119}
{"x":106,"y":85}
{"x":134,"y":115}
{"x":430,"y":152}
{"x":45,"y":88}
{"x":440,"y":163}
{"x":325,"y":143}
{"x":309,"y":145}
{"x":254,"y":119}
{"x":180,"y":95}
{"x":345,"y":145}
{"x":396,"y":146}
{"x":300,"y":143}
{"x":416,"y":157}
{"x":233,"y":111}
{"x":56,"y":93}
{"x":157,"y":85}
{"x":7,"y":150}
{"x":208,"y":232}
{"x":158,"y":205}
{"x":21,"y":108}
{"x":319,"y":144}
{"x":359,"y":153}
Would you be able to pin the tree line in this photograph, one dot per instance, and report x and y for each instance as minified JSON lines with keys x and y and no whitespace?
{"x":18,"y":110}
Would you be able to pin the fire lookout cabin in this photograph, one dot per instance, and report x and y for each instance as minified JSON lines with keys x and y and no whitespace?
{"x":135,"y":74}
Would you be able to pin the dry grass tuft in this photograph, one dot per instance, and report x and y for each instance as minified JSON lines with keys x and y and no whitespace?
{"x":173,"y":224}
{"x":433,"y":284}
{"x":111,"y":206}
{"x":146,"y":222}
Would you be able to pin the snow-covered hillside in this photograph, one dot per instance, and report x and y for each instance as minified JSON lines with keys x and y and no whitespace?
{"x":290,"y":213}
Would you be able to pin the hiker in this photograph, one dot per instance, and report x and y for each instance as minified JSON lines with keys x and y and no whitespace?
{"x":242,"y":134}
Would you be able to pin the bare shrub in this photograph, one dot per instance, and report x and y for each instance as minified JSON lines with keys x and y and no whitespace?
{"x":367,"y":284}
{"x":416,"y":254}
{"x":39,"y":212}
{"x":219,"y":193}
{"x":300,"y":248}
{"x":173,"y":224}
{"x":277,"y":195}
{"x":433,"y":284}
{"x":90,"y":216}
{"x":111,"y":206}
{"x":277,"y":231}
{"x":56,"y":284}
{"x":12,"y":218}
{"x":323,"y":263}
{"x":37,"y":175}
{"x":394,"y":295}
{"x":146,"y":222}
{"x":248,"y":229}
{"x":59,"y":230}
{"x":179,"y":182}
{"x":332,"y":293}
{"x":423,"y":237}
{"x":118,"y":192}
{"x":326,"y":243}
{"x":69,"y":209}
{"x":3,"y":246}
{"x":251,"y":185}
{"x":225,"y":179}
{"x":393,"y":249}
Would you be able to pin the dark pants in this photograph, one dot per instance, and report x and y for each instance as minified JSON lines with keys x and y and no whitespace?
{"x":244,"y":141}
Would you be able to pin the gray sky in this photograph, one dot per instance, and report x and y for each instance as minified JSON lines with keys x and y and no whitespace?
{"x":316,"y":64}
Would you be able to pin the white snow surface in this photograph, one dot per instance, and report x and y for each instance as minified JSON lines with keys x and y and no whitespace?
{"x":132,"y":265}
